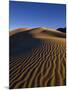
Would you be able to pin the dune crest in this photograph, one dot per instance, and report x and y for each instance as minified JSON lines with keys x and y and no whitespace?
{"x":18,"y":30}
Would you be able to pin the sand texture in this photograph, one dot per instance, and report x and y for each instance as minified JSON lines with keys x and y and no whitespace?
{"x":37,"y":58}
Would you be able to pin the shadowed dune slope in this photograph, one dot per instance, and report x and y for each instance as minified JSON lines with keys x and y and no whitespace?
{"x":37,"y":58}
{"x":18,"y":30}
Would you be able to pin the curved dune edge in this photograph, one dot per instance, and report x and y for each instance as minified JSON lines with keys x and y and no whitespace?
{"x":13,"y":32}
{"x":45,"y":66}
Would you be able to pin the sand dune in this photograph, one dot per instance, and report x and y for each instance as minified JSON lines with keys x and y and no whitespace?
{"x":37,"y":58}
{"x":18,"y":30}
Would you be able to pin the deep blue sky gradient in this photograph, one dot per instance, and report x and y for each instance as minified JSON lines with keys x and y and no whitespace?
{"x":31,"y":15}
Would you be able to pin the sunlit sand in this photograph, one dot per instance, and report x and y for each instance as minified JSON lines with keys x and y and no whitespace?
{"x":37,"y":58}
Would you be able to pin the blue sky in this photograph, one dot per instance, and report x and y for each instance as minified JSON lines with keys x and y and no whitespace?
{"x":32,"y":15}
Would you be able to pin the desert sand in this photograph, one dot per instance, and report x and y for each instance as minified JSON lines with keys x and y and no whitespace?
{"x":37,"y":58}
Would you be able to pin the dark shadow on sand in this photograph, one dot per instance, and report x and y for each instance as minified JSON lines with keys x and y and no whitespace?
{"x":22,"y":43}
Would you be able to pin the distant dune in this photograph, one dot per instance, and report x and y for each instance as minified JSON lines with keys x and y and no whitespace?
{"x":37,"y":58}
{"x":62,"y":29}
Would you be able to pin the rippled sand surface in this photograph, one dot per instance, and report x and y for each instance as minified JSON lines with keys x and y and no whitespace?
{"x":37,"y":58}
